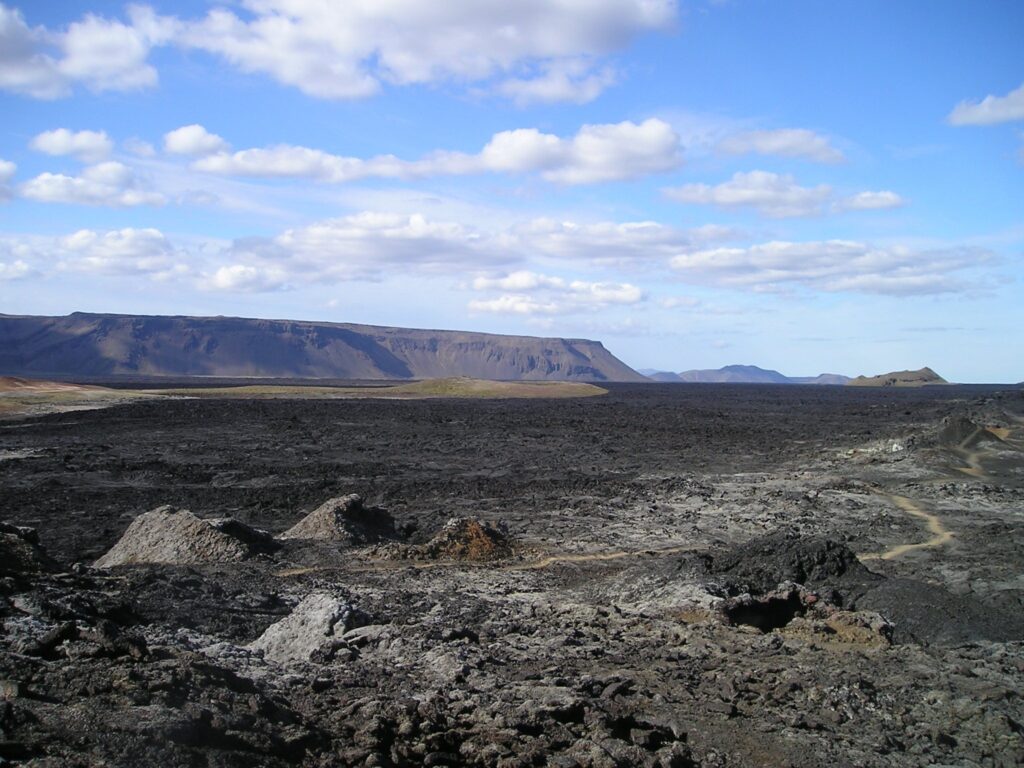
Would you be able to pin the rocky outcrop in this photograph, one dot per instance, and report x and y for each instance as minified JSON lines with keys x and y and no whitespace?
{"x":172,"y":536}
{"x":20,"y":552}
{"x":83,"y":344}
{"x":313,"y":628}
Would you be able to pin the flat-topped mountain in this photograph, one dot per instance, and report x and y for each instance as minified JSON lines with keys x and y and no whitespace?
{"x":84,"y":344}
{"x":924,"y":377}
{"x":745,"y":374}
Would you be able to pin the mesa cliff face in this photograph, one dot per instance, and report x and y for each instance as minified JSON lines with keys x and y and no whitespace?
{"x":83,"y":344}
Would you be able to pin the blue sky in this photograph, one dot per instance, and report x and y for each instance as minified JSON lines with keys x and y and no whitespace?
{"x":804,"y":186}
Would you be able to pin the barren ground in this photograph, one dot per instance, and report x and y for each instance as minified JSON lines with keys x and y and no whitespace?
{"x":683,"y":589}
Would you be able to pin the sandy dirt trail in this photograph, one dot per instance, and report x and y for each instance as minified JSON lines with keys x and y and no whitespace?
{"x":940,"y":534}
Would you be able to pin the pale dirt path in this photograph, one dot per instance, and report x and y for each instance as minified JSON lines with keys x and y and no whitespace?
{"x":530,"y":565}
{"x":940,"y":534}
{"x":975,"y":468}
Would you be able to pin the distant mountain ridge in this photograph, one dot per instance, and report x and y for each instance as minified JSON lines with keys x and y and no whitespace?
{"x":745,"y":374}
{"x":86,"y":344}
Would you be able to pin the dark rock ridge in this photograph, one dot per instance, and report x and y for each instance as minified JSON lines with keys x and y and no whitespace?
{"x":83,"y":344}
{"x":744,"y":374}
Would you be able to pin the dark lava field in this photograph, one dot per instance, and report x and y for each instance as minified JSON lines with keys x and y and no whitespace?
{"x":666,"y":575}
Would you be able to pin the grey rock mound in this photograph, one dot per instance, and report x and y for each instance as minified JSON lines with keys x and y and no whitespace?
{"x":462,"y":538}
{"x":347,"y":519}
{"x":312,"y":630}
{"x":176,"y":536}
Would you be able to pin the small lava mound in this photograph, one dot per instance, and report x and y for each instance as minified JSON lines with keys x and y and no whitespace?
{"x":467,"y":539}
{"x":961,"y":432}
{"x":177,"y":537}
{"x":346,"y":519}
{"x":759,"y":566}
{"x":20,"y":552}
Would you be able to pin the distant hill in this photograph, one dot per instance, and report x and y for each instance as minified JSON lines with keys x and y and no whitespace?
{"x":744,"y":374}
{"x":97,"y":345}
{"x":922,"y":378}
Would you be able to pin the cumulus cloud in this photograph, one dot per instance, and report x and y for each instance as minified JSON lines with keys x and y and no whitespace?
{"x":872,"y":201}
{"x":101,"y":54}
{"x":832,"y":266}
{"x":522,"y":280}
{"x":84,"y":145}
{"x":990,"y":110}
{"x":348,"y":50}
{"x":778,"y":196}
{"x":121,"y":252}
{"x":537,"y":294}
{"x":546,"y":52}
{"x":243,"y":278}
{"x":193,"y":140}
{"x":110,"y":183}
{"x":785,"y":142}
{"x":597,"y":153}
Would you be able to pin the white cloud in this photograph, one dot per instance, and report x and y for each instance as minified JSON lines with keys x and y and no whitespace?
{"x":990,"y":110}
{"x":193,"y":140}
{"x":523,"y":280}
{"x":110,"y":183}
{"x":348,"y":50}
{"x":605,"y":293}
{"x":15,"y":270}
{"x":121,"y":252}
{"x":90,"y":146}
{"x":610,"y":244}
{"x":575,"y":81}
{"x":516,"y":304}
{"x":106,"y":56}
{"x":370,"y":246}
{"x":597,"y":153}
{"x":785,"y":142}
{"x":537,"y":294}
{"x":101,"y":54}
{"x":7,"y":171}
{"x":833,"y":266}
{"x":774,"y":195}
{"x":242,"y":278}
{"x":872,"y":201}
